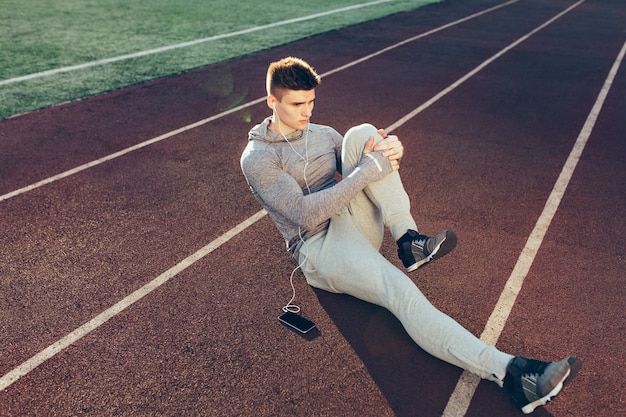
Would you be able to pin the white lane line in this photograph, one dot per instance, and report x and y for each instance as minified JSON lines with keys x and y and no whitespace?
{"x":185,"y":44}
{"x":422,"y":35}
{"x":103,"y":317}
{"x":123,"y":304}
{"x":126,"y":151}
{"x":466,"y":386}
{"x":479,"y":68}
{"x":225,"y":113}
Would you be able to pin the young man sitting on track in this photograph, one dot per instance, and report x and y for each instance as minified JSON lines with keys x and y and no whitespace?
{"x":335,"y":229}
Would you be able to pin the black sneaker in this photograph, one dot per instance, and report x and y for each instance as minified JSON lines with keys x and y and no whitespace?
{"x":415,"y":250}
{"x":533,"y":383}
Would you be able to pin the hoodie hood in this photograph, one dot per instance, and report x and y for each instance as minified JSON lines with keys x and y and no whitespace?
{"x":264,"y":133}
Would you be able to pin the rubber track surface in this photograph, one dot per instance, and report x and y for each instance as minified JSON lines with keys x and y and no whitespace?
{"x":481,"y":160}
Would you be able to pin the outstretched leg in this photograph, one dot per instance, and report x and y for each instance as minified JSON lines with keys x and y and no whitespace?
{"x":342,"y":260}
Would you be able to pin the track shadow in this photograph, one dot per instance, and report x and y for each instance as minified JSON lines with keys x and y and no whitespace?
{"x":413,"y":382}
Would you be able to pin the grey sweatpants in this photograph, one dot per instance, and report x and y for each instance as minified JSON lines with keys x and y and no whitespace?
{"x":346,"y":259}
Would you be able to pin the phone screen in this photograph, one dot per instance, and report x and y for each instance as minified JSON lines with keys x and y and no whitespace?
{"x":296,"y":321}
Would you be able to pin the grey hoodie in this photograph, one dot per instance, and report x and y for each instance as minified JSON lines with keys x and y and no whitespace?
{"x":294,"y":178}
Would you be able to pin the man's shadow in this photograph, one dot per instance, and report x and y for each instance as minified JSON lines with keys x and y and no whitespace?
{"x":414,"y":382}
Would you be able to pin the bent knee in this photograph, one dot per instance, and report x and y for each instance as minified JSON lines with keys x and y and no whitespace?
{"x":361,"y":133}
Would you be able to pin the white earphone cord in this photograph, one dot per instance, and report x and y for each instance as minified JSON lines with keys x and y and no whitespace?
{"x":289,"y":307}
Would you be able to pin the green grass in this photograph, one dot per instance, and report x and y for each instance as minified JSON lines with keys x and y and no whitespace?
{"x":41,"y":35}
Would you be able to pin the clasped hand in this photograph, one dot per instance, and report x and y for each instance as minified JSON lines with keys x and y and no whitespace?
{"x":390,"y":145}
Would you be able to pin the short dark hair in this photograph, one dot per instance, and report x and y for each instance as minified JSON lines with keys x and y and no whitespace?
{"x":290,"y":74}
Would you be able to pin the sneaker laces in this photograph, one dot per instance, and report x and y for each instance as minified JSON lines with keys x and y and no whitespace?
{"x":419,"y":242}
{"x":533,"y":379}
{"x":533,"y":371}
{"x":425,"y":244}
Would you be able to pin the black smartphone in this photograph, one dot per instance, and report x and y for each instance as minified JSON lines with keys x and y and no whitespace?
{"x":296,"y":321}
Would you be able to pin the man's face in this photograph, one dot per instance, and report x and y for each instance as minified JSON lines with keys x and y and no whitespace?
{"x":293,"y":111}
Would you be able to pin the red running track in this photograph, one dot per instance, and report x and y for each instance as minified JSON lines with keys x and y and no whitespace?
{"x":481,"y":159}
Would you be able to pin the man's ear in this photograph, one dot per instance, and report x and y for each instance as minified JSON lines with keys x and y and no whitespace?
{"x":271,"y":101}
